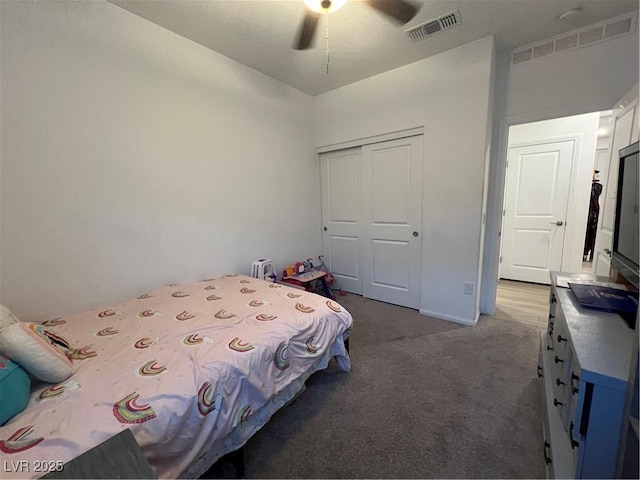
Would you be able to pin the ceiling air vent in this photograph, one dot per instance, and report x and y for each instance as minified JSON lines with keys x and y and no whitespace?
{"x":434,"y":26}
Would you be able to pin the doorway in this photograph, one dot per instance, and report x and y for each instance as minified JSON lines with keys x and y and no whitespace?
{"x":548,"y":182}
{"x":624,"y":129}
{"x":596,"y":201}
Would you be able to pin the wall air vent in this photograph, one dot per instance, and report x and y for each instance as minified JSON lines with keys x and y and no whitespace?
{"x":521,"y":56}
{"x":434,"y":26}
{"x":566,"y":43}
{"x":583,"y":37}
{"x":618,"y":28}
{"x":591,"y":36}
{"x":543,"y":50}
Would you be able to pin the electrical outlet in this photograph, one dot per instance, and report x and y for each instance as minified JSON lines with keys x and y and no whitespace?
{"x":468,"y":288}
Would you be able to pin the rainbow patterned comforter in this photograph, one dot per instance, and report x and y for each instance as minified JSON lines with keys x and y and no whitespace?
{"x":184,"y":367}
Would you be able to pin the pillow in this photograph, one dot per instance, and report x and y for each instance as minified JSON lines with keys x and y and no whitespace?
{"x":6,"y":317}
{"x":39,"y":350}
{"x":14,"y":389}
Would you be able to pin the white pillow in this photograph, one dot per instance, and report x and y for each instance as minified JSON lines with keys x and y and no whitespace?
{"x":6,"y":317}
{"x":37,"y":349}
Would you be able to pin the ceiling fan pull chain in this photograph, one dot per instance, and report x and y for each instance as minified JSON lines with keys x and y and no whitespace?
{"x":326,"y":14}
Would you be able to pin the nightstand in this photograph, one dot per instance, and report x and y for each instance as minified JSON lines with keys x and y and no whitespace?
{"x":307,"y":278}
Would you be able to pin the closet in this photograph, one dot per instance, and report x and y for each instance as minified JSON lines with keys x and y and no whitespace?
{"x":372,"y":219}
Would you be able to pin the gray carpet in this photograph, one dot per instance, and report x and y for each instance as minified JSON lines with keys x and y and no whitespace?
{"x":425,"y":399}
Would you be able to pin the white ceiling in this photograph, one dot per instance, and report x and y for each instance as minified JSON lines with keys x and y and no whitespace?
{"x":259,"y":33}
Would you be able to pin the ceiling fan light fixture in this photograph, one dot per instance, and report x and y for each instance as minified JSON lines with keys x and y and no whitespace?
{"x":317,"y":5}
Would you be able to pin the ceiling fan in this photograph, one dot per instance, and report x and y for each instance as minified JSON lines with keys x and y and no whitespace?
{"x":401,"y":11}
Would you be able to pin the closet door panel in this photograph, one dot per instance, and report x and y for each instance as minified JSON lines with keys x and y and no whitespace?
{"x":341,"y":181}
{"x":391,"y":264}
{"x":392,"y":221}
{"x":345,"y":252}
{"x":391,"y":186}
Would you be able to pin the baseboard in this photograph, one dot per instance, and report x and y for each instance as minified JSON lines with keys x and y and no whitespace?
{"x":450,"y":318}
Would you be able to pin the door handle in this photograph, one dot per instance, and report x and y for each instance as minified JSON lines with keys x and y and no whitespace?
{"x":415,"y":234}
{"x":558,"y":223}
{"x":547,"y":459}
{"x":607,"y":251}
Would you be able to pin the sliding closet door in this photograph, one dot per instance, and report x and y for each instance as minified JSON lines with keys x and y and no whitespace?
{"x":341,"y":193}
{"x":392,"y":221}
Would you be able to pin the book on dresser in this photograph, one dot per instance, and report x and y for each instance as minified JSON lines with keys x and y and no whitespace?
{"x":605,"y":298}
{"x":584,"y":360}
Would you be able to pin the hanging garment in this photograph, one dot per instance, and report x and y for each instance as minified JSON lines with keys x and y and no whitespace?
{"x":592,"y":221}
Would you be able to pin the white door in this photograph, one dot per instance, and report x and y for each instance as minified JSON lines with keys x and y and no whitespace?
{"x":536,"y":196}
{"x":372,"y":219}
{"x":341,"y":174}
{"x":623,"y":128}
{"x":392,"y":221}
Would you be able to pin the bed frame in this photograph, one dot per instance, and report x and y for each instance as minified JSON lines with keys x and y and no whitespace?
{"x":235,"y":460}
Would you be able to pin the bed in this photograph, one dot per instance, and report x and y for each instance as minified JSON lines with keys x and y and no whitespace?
{"x":194,"y":370}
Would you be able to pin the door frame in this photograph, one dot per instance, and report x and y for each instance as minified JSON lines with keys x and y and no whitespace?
{"x":625,"y":106}
{"x":572,"y":197}
{"x":359,"y":142}
{"x":493,"y":230}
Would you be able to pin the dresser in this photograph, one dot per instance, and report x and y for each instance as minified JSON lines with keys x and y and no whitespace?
{"x":583,"y":366}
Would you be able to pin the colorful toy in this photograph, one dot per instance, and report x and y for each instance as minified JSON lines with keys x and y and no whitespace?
{"x":331,"y":280}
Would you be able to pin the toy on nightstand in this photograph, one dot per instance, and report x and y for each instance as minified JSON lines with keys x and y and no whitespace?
{"x":330,"y":278}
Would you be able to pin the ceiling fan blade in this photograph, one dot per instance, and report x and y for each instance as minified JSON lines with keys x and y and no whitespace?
{"x":400,"y":10}
{"x":307,"y":30}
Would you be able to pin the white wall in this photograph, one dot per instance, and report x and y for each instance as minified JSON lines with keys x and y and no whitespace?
{"x":584,"y":128}
{"x":448,"y":94}
{"x":132,"y":157}
{"x":606,"y":125}
{"x":577,"y":81}
{"x":584,"y":80}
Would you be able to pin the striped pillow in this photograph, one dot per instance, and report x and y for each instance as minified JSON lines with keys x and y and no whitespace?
{"x":37,"y":349}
